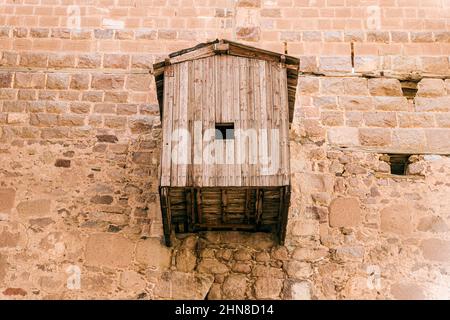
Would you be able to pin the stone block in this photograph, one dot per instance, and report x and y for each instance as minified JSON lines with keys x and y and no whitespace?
{"x":152,"y":253}
{"x":116,"y":61}
{"x":380,"y":119}
{"x":407,"y":291}
{"x":397,"y":219}
{"x":391,"y":103}
{"x":374,"y":137}
{"x":409,"y":140}
{"x":343,"y":136}
{"x":34,"y":208}
{"x":234,"y":287}
{"x":181,"y":286}
{"x":268,"y":288}
{"x":335,"y":64}
{"x":211,"y":266}
{"x":7,"y":198}
{"x":431,"y":88}
{"x":438,"y":140}
{"x":354,"y":103}
{"x":385,"y":87}
{"x":345,"y":212}
{"x":436,"y":250}
{"x":108,"y":250}
{"x":439,"y":104}
{"x":58,"y":81}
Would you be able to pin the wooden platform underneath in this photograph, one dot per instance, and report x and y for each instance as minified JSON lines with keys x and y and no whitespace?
{"x":262,"y":209}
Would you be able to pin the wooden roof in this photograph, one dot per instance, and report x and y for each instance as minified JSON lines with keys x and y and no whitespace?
{"x":217,"y":46}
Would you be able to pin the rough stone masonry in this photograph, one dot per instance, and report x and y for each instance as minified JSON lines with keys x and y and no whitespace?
{"x":80,"y":148}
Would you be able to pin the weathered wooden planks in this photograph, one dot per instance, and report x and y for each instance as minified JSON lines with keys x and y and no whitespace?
{"x":249,"y":93}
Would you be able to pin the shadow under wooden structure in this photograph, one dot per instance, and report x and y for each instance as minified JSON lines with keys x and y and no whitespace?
{"x":226,"y":109}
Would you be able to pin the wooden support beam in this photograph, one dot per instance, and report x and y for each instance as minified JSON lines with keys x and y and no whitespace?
{"x":199,"y":206}
{"x":285,"y":213}
{"x":247,"y":206}
{"x":189,"y":210}
{"x":166,"y":214}
{"x":223,"y":205}
{"x":258,"y":205}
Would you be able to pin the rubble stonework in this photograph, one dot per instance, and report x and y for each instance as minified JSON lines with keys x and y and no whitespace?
{"x":80,"y":137}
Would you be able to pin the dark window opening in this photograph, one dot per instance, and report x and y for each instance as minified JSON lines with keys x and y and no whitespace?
{"x":399,"y":163}
{"x":409,"y":89}
{"x":224,"y":131}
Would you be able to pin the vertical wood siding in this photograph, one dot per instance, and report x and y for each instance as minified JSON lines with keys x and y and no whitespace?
{"x":251,"y":94}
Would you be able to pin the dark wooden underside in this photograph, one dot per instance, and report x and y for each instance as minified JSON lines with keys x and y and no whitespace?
{"x":257,"y":209}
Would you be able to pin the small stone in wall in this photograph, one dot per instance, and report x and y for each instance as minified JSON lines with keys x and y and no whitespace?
{"x":62,"y":163}
{"x":186,"y":260}
{"x":108,"y":138}
{"x":15,"y":292}
{"x":102,"y":199}
{"x":211,"y":266}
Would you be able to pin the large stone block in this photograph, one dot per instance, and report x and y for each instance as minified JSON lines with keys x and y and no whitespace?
{"x":13,"y":235}
{"x":397,"y":219}
{"x":374,"y":137}
{"x":298,"y":269}
{"x":436,"y":250}
{"x":301,"y":290}
{"x":345,"y":212}
{"x":415,"y":120}
{"x":440,"y":104}
{"x":268,"y":288}
{"x":7,"y":197}
{"x":31,"y":208}
{"x":234,"y":287}
{"x":335,"y":64}
{"x":108,"y":250}
{"x":354,"y":103}
{"x":385,"y":87}
{"x":183,"y":286}
{"x":407,"y":291}
{"x":154,"y":254}
{"x":412,"y":140}
{"x":380,"y":119}
{"x":343,"y":136}
{"x":438,"y":140}
{"x":391,"y":103}
{"x":431,"y":88}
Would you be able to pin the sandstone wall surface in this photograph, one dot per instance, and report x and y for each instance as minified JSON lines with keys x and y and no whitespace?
{"x":80,"y":147}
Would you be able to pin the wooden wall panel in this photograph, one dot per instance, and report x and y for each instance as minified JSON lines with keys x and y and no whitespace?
{"x":250,"y":93}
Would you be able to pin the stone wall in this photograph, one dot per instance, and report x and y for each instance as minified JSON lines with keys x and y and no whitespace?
{"x":80,"y":149}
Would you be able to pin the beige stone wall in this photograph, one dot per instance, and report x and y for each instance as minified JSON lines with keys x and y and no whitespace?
{"x":80,"y":135}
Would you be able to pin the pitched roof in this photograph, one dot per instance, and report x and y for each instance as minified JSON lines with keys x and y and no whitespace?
{"x":223,"y":46}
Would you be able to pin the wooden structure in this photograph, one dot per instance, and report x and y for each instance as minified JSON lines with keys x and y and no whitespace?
{"x":226,"y":110}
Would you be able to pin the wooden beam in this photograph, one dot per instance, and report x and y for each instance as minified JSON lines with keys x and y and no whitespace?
{"x":285,"y":213}
{"x":189,"y":209}
{"x":166,"y":214}
{"x":223,"y":205}
{"x":199,"y":206}
{"x":247,"y":205}
{"x":258,"y":205}
{"x":228,"y":226}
